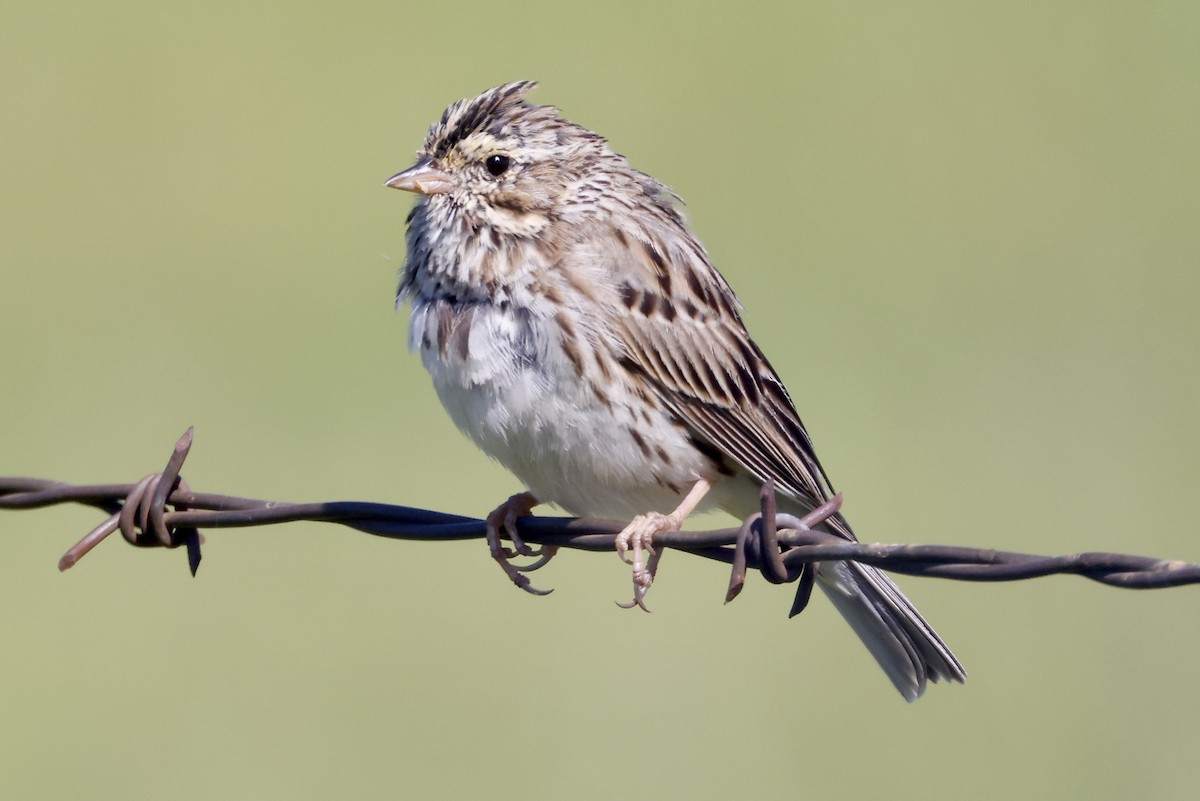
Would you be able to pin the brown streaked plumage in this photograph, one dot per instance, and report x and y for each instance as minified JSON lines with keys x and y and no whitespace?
{"x":577,"y":332}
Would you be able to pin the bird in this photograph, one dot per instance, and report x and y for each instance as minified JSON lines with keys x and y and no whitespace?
{"x":577,"y":332}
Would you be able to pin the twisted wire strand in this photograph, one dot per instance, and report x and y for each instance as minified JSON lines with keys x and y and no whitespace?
{"x":162,"y":511}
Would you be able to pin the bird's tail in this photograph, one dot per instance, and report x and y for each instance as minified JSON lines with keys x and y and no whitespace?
{"x":906,"y":647}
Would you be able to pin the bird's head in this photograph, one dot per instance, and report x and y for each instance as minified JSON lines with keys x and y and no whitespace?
{"x":500,"y":162}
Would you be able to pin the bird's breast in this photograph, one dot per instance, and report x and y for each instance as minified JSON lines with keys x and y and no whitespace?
{"x":530,"y":392}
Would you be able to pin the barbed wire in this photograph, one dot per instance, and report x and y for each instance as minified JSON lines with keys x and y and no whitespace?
{"x":779,"y":546}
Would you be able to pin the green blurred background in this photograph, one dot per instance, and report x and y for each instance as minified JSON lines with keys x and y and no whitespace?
{"x":966,"y":234}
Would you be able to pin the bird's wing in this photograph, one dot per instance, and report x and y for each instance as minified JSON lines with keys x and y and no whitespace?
{"x":677,"y":324}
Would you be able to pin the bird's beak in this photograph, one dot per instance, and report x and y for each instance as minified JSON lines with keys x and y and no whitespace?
{"x":421,"y":177}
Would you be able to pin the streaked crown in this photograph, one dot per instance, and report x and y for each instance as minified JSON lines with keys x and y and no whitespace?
{"x":503,"y":116}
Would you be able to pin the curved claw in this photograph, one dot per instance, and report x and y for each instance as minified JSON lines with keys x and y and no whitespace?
{"x":504,"y":518}
{"x":523,"y":582}
{"x":544,"y":554}
{"x":638,"y":602}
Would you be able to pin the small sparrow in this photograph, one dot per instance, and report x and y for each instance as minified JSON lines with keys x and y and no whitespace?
{"x":577,"y":332}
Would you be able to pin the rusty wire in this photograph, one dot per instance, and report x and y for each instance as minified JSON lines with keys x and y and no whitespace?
{"x":779,"y":546}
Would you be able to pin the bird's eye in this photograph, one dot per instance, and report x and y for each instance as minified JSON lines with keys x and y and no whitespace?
{"x":497,"y":164}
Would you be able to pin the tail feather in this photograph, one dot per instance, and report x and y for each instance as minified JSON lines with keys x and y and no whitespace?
{"x":906,"y":647}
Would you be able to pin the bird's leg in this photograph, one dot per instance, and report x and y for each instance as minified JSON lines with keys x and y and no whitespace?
{"x":638,"y":536}
{"x":503,"y":519}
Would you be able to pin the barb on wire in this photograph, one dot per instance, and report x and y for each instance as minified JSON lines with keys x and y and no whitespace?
{"x":781,"y":547}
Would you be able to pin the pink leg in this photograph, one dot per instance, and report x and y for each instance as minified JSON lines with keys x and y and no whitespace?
{"x":638,"y":536}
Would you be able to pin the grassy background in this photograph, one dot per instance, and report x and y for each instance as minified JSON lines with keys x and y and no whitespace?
{"x":966,"y":236}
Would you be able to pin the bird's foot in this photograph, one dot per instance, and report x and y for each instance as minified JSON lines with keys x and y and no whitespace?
{"x":503,"y":521}
{"x":638,"y":537}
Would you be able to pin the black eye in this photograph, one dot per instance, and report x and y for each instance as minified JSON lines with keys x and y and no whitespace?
{"x":497,"y":165}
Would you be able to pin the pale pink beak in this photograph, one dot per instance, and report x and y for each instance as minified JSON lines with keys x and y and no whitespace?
{"x":422,"y":177}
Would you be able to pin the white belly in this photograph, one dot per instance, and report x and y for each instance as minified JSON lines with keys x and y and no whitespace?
{"x":507,"y":385}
